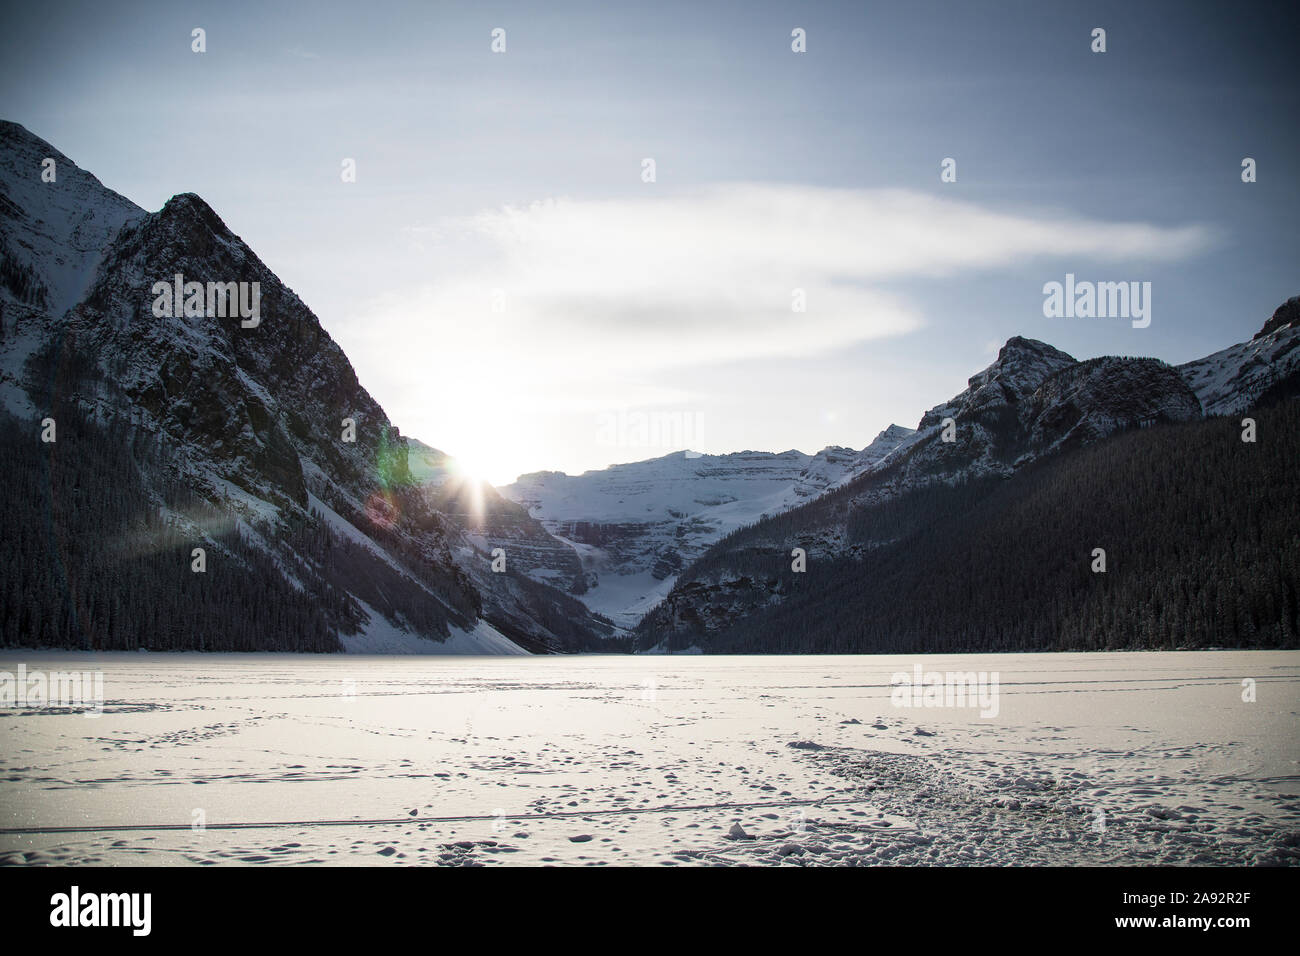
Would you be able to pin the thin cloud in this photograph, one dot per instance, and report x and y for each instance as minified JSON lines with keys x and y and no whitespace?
{"x":719,"y":273}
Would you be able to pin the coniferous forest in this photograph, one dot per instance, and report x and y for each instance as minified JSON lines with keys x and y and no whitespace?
{"x":91,"y":559}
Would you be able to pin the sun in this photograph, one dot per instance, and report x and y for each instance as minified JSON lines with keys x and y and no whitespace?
{"x":469,"y":471}
{"x":490,"y":466}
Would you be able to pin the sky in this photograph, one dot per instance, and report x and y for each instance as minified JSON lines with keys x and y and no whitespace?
{"x":511,"y":288}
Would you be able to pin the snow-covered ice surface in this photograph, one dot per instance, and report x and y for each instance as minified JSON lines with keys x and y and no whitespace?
{"x":1092,"y":759}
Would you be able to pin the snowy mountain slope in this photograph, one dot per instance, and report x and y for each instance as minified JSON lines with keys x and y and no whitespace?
{"x":634,"y":526}
{"x":264,"y":420}
{"x":1231,"y":380}
{"x":379,"y":636}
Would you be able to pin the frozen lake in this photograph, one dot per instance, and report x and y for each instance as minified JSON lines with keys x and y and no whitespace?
{"x":1099,"y":758}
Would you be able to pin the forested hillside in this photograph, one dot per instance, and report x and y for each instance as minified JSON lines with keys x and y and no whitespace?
{"x":1201,"y":533}
{"x":88,"y":561}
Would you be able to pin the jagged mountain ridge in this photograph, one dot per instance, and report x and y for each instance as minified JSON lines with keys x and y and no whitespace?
{"x":250,"y":418}
{"x":639,"y":527}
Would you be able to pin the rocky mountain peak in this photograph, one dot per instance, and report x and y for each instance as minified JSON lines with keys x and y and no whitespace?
{"x":1286,"y":315}
{"x":1021,"y":366}
{"x":190,"y":210}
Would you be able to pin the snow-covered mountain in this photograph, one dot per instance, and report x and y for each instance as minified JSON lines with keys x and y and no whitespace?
{"x":635,"y":526}
{"x":270,"y":436}
{"x":262,"y":420}
{"x":491,"y":521}
{"x":1033,"y":403}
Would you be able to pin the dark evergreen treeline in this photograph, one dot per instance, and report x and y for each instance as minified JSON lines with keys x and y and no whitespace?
{"x":90,"y":559}
{"x":1201,"y":532}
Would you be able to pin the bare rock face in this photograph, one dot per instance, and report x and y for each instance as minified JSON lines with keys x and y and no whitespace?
{"x":1285,"y":315}
{"x":1021,"y":367}
{"x":1091,"y":400}
{"x":1033,"y":400}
